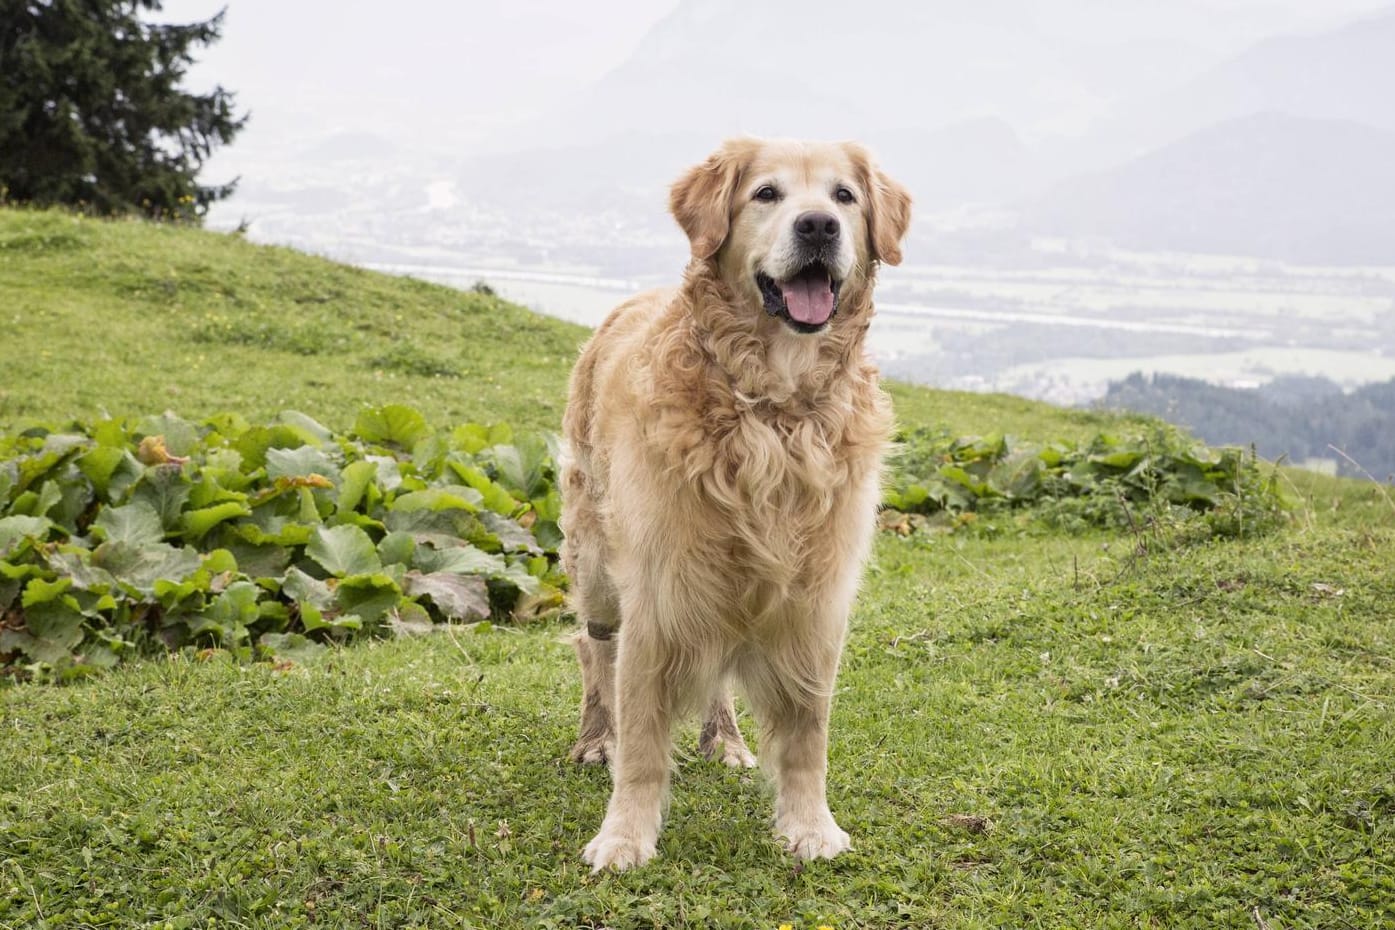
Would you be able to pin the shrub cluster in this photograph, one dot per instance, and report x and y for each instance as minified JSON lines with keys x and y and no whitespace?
{"x":1110,"y":481}
{"x":126,"y":537}
{"x":119,"y":537}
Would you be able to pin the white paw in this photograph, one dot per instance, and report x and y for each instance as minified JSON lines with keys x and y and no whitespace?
{"x":732,"y":755}
{"x":738,"y":757}
{"x":814,"y":841}
{"x":593,"y":751}
{"x":618,"y":852}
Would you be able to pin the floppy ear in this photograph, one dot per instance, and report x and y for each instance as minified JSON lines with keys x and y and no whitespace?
{"x":702,"y":199}
{"x":888,"y":208}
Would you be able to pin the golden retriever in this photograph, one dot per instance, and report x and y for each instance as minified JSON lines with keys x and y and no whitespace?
{"x":721,"y":480}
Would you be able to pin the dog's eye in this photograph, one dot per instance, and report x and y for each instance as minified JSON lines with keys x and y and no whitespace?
{"x":844,"y":195}
{"x":767,"y":194}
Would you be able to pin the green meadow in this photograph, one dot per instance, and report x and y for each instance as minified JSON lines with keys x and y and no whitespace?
{"x":1039,"y":722}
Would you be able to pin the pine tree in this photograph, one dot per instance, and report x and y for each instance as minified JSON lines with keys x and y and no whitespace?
{"x":92,"y":114}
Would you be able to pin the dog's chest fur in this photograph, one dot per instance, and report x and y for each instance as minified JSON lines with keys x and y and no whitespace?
{"x":792,"y":482}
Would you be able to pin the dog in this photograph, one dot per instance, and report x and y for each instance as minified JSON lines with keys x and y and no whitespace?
{"x":720,"y":484}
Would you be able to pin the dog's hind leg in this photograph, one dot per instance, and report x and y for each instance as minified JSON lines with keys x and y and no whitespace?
{"x":595,"y":742}
{"x":594,"y":598}
{"x":721,"y":739}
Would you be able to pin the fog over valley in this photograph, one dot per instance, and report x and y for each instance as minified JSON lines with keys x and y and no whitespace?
{"x":1196,"y":188}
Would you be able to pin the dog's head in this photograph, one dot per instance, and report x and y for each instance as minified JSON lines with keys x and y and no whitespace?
{"x":792,"y":226}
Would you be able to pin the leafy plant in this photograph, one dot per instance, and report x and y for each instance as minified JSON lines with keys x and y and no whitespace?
{"x":1098,"y":483}
{"x":122,"y":537}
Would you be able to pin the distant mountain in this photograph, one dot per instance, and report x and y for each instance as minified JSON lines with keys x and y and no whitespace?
{"x":1317,"y":191}
{"x":1347,"y":73}
{"x":940,"y":90}
{"x":822,"y":69}
{"x":971,"y":162}
{"x":1297,"y":418}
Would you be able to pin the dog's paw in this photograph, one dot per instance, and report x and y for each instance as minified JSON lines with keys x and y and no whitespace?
{"x":814,"y":841}
{"x":731,"y":754}
{"x":615,"y":851}
{"x":593,"y":751}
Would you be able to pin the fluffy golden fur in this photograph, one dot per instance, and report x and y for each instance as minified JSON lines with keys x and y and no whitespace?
{"x":720,"y":488}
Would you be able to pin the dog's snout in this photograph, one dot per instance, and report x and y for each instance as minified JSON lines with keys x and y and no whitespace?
{"x":816,"y":228}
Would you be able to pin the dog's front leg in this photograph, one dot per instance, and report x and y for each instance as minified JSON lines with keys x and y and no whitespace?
{"x":640,"y":769}
{"x":793,"y":710}
{"x":802,"y":817}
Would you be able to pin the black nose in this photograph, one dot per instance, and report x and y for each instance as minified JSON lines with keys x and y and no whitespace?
{"x":815,"y":228}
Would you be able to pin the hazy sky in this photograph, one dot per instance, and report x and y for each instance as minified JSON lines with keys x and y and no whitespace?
{"x":472,"y":68}
{"x":489,"y":64}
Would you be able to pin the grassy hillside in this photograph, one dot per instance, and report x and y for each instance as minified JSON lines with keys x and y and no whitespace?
{"x":1032,"y":728}
{"x":133,"y":318}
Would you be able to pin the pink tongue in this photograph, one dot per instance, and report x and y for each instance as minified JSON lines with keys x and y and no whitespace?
{"x":809,"y":299}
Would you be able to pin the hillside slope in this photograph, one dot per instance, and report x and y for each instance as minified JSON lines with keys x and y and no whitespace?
{"x":1033,"y":726}
{"x":137,"y":318}
{"x":132,"y":318}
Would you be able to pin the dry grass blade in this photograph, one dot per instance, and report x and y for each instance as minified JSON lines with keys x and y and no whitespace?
{"x":1359,"y":467}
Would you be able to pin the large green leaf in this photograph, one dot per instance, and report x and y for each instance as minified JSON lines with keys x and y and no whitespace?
{"x":492,"y":495}
{"x":475,"y":437}
{"x":303,"y":589}
{"x":180,"y":435}
{"x":369,"y":596}
{"x":137,"y":524}
{"x":141,"y":566}
{"x":458,"y":597}
{"x":271,"y":531}
{"x":292,"y":646}
{"x":395,"y":424}
{"x":299,"y":463}
{"x":212,"y":487}
{"x":343,"y":550}
{"x":197,"y":523}
{"x":259,"y":561}
{"x":397,"y":549}
{"x":355,"y":482}
{"x":254,"y":444}
{"x":512,"y":537}
{"x":17,"y":528}
{"x":461,"y":560}
{"x":450,"y":497}
{"x":166,"y":489}
{"x":76,"y":564}
{"x":39,"y":591}
{"x":111,"y":470}
{"x":307,"y":424}
{"x":56,"y":628}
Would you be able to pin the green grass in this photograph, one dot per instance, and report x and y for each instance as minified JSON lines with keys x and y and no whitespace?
{"x":1031,"y":730}
{"x":133,"y":318}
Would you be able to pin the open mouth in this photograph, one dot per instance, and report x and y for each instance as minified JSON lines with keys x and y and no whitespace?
{"x":806,"y":301}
